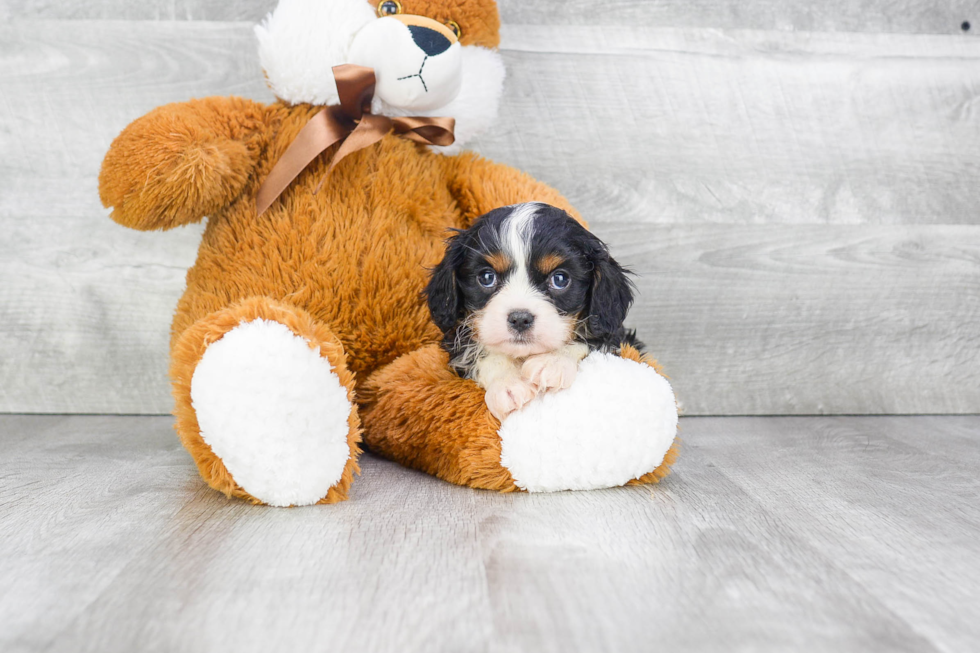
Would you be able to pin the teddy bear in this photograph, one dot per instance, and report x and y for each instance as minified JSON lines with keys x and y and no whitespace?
{"x":302,"y":330}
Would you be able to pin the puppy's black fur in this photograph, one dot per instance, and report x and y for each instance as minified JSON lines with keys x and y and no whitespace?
{"x":598,"y":295}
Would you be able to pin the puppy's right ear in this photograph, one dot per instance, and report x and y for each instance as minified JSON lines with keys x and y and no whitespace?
{"x":442,"y":292}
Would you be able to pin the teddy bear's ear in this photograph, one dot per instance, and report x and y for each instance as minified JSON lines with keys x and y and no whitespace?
{"x":443,"y":293}
{"x":302,"y":40}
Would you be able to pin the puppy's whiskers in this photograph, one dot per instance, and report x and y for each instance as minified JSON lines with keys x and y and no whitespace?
{"x":467,"y":348}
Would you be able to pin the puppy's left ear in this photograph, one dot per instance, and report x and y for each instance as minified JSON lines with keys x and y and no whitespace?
{"x":611,"y":294}
{"x":442,"y":292}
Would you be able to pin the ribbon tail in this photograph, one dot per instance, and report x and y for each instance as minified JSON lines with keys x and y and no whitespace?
{"x":318,"y":134}
{"x":430,"y":131}
{"x":369,"y":131}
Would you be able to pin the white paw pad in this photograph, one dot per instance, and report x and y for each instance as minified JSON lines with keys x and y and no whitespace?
{"x":274,"y":411}
{"x":615,"y":423}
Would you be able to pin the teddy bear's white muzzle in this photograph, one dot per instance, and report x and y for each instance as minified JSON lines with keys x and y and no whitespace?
{"x":417,"y":67}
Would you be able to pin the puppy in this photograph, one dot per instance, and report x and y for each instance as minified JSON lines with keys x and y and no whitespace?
{"x":521,"y":297}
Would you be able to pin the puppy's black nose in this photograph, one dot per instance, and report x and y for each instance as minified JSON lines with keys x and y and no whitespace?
{"x":520,"y":321}
{"x":431,"y":41}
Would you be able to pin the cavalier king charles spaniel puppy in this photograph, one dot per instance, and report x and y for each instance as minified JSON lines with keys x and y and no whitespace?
{"x":521,"y":297}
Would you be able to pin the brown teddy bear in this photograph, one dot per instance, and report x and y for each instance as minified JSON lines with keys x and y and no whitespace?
{"x":302,"y":328}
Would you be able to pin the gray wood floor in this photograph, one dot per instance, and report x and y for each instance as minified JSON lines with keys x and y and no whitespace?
{"x":774,"y":534}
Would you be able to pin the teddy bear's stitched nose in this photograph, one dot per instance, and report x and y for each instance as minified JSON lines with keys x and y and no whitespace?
{"x":430,"y":41}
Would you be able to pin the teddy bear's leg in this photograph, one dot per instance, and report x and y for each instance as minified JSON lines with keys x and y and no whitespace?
{"x":616,"y":425}
{"x":265,"y":404}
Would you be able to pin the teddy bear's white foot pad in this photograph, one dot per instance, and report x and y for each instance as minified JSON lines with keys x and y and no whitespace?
{"x":614,"y":424}
{"x":274,"y":411}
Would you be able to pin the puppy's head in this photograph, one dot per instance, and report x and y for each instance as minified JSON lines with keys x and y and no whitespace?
{"x":527,"y":279}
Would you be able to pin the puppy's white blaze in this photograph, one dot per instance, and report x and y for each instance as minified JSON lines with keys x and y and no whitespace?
{"x":550,"y":330}
{"x":518,"y":230}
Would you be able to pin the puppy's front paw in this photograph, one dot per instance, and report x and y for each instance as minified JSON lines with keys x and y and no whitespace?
{"x":506,"y":396}
{"x":550,"y":371}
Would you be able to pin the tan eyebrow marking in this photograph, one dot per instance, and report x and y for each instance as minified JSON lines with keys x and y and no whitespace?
{"x":548,"y":262}
{"x":498,"y":261}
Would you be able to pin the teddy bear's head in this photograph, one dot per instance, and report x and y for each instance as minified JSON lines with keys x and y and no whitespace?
{"x":430,"y":57}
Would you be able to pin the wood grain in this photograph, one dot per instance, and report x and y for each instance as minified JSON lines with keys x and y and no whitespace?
{"x":882,"y":508}
{"x":689,"y":126}
{"x":85,"y":305}
{"x":772,"y":534}
{"x":694,"y":126}
{"x":809,"y":319}
{"x":900,"y":16}
{"x":804,"y":204}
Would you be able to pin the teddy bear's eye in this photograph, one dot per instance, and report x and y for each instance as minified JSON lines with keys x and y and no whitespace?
{"x":457,"y":30}
{"x":389,"y":8}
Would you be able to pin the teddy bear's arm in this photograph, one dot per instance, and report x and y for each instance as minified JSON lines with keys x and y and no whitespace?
{"x":182,"y":161}
{"x":480,"y":185}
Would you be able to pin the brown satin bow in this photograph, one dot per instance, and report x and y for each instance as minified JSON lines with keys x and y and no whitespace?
{"x":351,"y":122}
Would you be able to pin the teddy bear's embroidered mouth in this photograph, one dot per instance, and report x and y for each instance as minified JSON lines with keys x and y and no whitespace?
{"x":418,"y":68}
{"x":418,"y":74}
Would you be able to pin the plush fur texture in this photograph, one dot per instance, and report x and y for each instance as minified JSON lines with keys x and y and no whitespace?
{"x":302,"y":40}
{"x":342,"y":268}
{"x":613,"y":425}
{"x":274,"y":411}
{"x":189,"y":348}
{"x":419,"y":412}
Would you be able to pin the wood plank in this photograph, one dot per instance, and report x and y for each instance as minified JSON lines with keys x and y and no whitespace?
{"x":692,"y":565}
{"x":396,"y":569}
{"x":673,"y":126}
{"x":773,"y":534}
{"x":900,"y":16}
{"x":85,"y":305}
{"x":745,"y":128}
{"x":873,"y":16}
{"x":747,"y":320}
{"x":809,"y":320}
{"x":731,"y":178}
{"x":77,"y":495}
{"x":902,"y":520}
{"x":959,"y":441}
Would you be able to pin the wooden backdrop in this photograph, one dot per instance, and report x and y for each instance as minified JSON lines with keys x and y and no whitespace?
{"x":796,"y":183}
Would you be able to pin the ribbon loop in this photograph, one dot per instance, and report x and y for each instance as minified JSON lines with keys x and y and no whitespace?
{"x":355,"y":87}
{"x":353,"y":126}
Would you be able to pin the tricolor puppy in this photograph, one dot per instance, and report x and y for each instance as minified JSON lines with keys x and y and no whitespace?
{"x":521,"y":297}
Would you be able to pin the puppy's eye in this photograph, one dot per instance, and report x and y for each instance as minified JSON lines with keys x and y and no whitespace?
{"x":487,"y":278}
{"x":389,"y":8}
{"x":456,"y":29}
{"x":559,"y":280}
